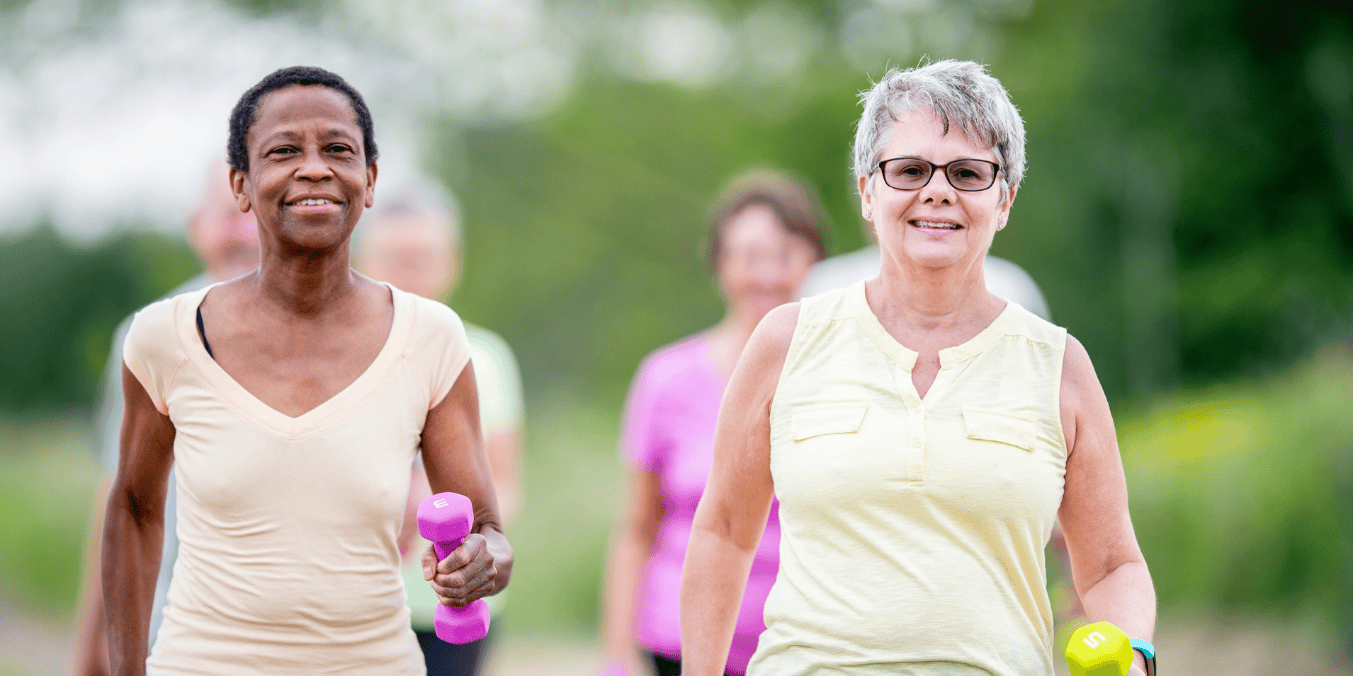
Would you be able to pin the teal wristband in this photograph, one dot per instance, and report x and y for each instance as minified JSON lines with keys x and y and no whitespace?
{"x":1148,"y":651}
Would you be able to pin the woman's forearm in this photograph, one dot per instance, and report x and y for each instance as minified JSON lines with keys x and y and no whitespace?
{"x":91,"y":649}
{"x":132,"y":542}
{"x":621,"y":596}
{"x":713,"y":580}
{"x":1126,"y":598}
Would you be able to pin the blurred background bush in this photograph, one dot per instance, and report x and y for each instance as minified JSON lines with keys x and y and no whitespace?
{"x":1188,"y":211}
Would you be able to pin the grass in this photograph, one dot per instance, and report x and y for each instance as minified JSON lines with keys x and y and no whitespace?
{"x":573,"y":484}
{"x":48,"y":482}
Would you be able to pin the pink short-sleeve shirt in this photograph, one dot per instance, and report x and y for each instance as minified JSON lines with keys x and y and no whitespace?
{"x":670,"y":415}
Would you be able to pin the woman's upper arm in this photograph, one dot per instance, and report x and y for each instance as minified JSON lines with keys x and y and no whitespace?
{"x":738,"y":495}
{"x":1094,"y":512}
{"x":146,"y":452}
{"x":453,"y":449}
{"x":643,"y":514}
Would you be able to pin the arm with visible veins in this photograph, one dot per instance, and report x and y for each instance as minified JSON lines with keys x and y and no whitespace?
{"x":134,"y":527}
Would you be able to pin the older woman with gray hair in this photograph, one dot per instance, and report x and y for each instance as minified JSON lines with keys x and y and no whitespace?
{"x":922,"y":434}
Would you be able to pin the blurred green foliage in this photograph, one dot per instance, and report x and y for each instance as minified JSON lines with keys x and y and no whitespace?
{"x":1242,"y":494}
{"x":61,"y":303}
{"x":573,"y":497}
{"x":48,"y":482}
{"x":1188,"y":208}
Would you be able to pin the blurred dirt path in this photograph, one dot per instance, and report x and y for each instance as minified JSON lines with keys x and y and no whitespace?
{"x":519,"y":655}
{"x":34,"y":647}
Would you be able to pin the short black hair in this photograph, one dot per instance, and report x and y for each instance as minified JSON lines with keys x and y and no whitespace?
{"x":246,"y":110}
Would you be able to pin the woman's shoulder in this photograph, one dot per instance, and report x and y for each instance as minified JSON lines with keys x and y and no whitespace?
{"x":156,"y":322}
{"x":771,"y":341}
{"x":830,"y":304}
{"x":153,"y":348}
{"x":431,"y":318}
{"x":674,"y":361}
{"x":1035,"y":328}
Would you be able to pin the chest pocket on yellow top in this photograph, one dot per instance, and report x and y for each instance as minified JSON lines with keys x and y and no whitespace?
{"x":814,"y":420}
{"x":1004,"y":428}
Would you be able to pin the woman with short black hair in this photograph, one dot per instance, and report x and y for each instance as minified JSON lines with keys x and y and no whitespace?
{"x":292,"y":402}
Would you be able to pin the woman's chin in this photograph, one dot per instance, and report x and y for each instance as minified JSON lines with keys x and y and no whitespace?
{"x":935,"y":255}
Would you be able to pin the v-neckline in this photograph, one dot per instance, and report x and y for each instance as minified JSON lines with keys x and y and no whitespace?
{"x":331,"y":411}
{"x":906,"y":357}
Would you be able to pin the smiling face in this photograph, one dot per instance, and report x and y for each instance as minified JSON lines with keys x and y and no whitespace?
{"x":935,"y":226}
{"x":308,"y":180}
{"x":761,"y":263}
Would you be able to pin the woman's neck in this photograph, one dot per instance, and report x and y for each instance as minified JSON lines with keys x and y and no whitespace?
{"x":306,"y":282}
{"x":727,"y":338}
{"x":929,"y":298}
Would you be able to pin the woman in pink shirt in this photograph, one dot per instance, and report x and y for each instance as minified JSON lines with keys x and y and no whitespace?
{"x":767,"y":234}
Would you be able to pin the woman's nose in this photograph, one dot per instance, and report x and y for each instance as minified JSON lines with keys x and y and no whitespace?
{"x":313,"y":167}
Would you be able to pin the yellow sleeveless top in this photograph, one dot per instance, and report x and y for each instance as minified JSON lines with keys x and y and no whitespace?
{"x":913,"y":528}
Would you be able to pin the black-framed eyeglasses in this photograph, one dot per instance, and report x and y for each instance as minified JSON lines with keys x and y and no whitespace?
{"x":914,"y":173}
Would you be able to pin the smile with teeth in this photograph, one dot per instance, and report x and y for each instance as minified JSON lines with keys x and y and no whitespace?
{"x":936,"y":224}
{"x":312,"y":202}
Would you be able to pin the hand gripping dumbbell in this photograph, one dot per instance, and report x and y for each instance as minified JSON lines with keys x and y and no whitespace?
{"x":1101,"y":649}
{"x":445,"y":520}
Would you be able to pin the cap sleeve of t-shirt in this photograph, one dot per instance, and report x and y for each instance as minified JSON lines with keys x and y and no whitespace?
{"x":643,"y":443}
{"x":499,"y":381}
{"x":441,"y":347}
{"x":151,"y":351}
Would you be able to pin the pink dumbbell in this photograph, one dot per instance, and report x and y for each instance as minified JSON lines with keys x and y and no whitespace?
{"x":445,"y":520}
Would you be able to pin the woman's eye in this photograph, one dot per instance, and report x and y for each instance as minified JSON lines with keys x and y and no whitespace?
{"x":282,"y":150}
{"x":339,"y":149}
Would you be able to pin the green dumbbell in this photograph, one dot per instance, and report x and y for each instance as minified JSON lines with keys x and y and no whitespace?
{"x":1099,"y":649}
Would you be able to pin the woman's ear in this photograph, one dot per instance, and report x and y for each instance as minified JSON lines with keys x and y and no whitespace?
{"x":866,"y":199}
{"x":1003,"y":213}
{"x":370,"y":184}
{"x":237,"y":180}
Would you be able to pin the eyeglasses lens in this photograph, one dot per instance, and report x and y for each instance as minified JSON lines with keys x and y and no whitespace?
{"x":906,"y":174}
{"x":970,"y":175}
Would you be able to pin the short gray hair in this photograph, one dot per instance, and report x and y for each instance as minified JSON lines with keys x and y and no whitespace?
{"x":420,"y":198}
{"x":960,"y":93}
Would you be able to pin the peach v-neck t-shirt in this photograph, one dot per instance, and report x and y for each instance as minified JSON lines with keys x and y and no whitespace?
{"x":287,"y":558}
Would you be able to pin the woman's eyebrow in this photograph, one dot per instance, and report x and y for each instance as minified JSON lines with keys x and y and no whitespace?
{"x":290,"y":134}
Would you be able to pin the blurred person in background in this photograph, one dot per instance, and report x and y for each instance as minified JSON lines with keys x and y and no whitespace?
{"x":226,"y":239}
{"x":412,"y":239}
{"x":921,"y":434}
{"x":767,"y":233}
{"x":291,"y":403}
